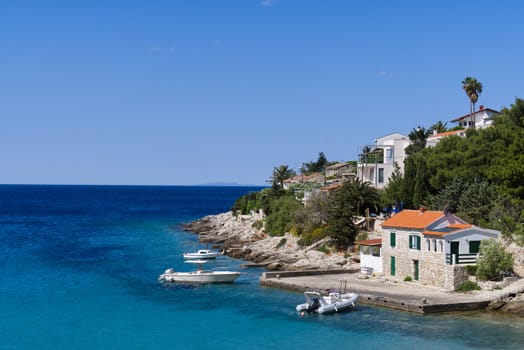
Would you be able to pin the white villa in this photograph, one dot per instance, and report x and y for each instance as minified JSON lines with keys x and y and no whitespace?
{"x":376,"y":162}
{"x":480,"y":119}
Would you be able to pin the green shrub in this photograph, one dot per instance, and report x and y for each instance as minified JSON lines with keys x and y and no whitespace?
{"x":279,"y":221}
{"x":311,"y":237}
{"x":408,"y":279}
{"x":468,"y":286}
{"x":281,"y":243}
{"x":324,"y":249}
{"x":493,"y":260}
{"x":245,"y":203}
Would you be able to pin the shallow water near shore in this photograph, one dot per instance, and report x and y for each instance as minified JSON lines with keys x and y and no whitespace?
{"x":79,"y":268}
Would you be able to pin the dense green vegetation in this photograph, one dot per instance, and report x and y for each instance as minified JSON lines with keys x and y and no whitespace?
{"x":493,"y":261}
{"x":323,"y":215}
{"x":480,"y":178}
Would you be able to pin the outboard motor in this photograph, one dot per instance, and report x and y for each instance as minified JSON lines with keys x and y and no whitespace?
{"x":313,"y":305}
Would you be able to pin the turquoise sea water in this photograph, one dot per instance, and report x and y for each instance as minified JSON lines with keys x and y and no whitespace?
{"x":79,"y":268}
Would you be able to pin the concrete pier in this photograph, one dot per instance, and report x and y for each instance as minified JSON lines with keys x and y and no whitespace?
{"x":379,"y":291}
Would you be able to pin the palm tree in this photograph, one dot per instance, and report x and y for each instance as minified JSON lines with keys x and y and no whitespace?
{"x":473,"y":89}
{"x":439,"y":127}
{"x":365,"y":195}
{"x":281,"y":174}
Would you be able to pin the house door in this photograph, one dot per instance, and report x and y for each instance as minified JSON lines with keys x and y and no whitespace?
{"x":455,"y":250}
{"x":415,"y":269}
{"x":393,"y":266}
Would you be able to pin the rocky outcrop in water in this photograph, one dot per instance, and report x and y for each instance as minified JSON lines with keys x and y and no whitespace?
{"x":513,"y":304}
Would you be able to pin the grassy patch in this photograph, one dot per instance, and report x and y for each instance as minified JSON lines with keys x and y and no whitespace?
{"x":468,"y":286}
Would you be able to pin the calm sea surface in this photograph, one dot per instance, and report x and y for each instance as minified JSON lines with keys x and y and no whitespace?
{"x":79,"y":268}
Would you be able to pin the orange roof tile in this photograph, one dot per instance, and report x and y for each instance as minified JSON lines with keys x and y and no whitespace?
{"x":435,"y":233}
{"x":460,"y":226}
{"x":447,"y":133}
{"x":447,"y":230}
{"x":377,"y":241}
{"x":417,"y":219}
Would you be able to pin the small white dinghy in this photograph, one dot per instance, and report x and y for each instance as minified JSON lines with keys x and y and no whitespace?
{"x":199,"y":276}
{"x":331,"y":303}
{"x":202,"y":254}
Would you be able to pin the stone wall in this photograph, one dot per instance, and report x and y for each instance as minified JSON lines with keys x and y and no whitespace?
{"x":433,"y":269}
{"x":456,"y":275}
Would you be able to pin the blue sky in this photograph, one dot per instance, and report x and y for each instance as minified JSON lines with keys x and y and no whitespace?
{"x":193,"y":92}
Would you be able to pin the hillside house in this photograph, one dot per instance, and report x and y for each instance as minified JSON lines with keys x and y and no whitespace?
{"x":377,"y":162}
{"x":339,"y":172}
{"x":480,"y":119}
{"x":316,"y":180}
{"x":432,"y":247}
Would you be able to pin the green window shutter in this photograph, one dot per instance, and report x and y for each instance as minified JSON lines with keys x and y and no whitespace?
{"x":393,"y":239}
{"x":393,"y":266}
{"x":418,"y":242}
{"x":474,"y":247}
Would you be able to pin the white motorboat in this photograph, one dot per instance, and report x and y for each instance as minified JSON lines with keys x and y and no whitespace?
{"x":202,"y":254}
{"x":200,"y":275}
{"x":333,"y":302}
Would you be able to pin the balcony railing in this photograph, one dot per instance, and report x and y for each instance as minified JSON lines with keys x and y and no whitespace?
{"x":452,"y":259}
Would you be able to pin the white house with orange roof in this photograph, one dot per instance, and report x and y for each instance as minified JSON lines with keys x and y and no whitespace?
{"x":480,"y":119}
{"x":432,"y":140}
{"x":432,"y":247}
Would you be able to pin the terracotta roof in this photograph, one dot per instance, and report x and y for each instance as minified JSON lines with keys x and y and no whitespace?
{"x":447,"y":230}
{"x":299,"y":178}
{"x":417,"y":219}
{"x":435,"y":233}
{"x":469,"y":115}
{"x":377,"y":241}
{"x":460,"y":226}
{"x":447,"y":133}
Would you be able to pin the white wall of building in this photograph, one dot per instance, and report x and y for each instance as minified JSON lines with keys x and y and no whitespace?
{"x":368,"y":260}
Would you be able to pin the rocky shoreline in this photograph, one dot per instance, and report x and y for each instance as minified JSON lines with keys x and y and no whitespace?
{"x":239,"y":238}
